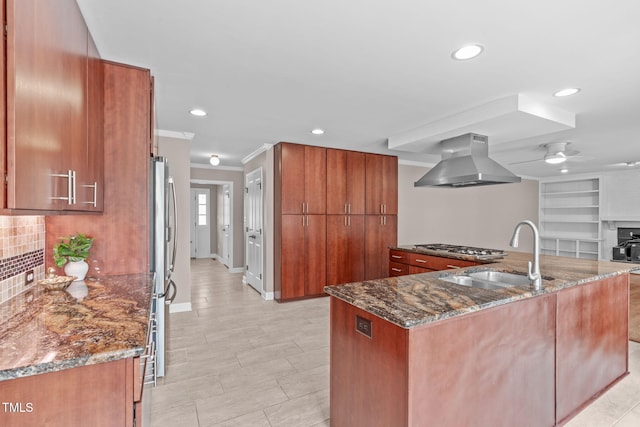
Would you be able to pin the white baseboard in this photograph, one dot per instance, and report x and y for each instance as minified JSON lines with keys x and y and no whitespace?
{"x":179,"y":307}
{"x":268,"y":296}
{"x":236,"y":270}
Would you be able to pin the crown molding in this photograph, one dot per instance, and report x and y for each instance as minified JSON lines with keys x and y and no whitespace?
{"x":175,"y":134}
{"x":256,"y":153}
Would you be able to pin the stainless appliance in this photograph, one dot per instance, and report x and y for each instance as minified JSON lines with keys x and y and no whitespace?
{"x":473,"y":252}
{"x":163,"y":254}
{"x":628,"y":249}
{"x":465,"y":162}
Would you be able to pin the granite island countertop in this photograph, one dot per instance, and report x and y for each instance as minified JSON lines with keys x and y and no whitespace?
{"x":92,"y":321}
{"x":418,"y":299}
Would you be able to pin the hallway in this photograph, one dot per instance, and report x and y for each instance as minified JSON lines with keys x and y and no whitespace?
{"x":237,"y":360}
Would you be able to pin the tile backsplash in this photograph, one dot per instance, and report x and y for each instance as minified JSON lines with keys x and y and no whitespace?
{"x":22,"y":240}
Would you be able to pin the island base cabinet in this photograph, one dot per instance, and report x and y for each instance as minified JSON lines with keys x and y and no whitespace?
{"x":491,"y":368}
{"x":593,"y":342}
{"x":100,"y":395}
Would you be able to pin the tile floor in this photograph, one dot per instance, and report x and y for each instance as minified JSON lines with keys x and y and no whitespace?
{"x":237,"y":360}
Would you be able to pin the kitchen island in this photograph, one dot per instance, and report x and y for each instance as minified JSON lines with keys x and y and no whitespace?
{"x":73,"y":357}
{"x":419,"y":351}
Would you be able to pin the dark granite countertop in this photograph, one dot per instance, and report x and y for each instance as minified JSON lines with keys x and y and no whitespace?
{"x":418,"y":299}
{"x":92,"y":321}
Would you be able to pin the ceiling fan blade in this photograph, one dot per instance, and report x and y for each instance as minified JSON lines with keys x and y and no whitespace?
{"x":526,"y":161}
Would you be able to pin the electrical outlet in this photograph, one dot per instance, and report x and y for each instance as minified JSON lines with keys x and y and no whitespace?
{"x":28,"y":277}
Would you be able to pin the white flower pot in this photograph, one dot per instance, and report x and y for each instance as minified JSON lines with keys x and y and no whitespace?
{"x":76,"y":268}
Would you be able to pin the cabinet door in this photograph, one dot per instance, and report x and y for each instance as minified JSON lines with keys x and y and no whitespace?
{"x":90,"y":185}
{"x":46,"y":102}
{"x":315,"y":180}
{"x":380,"y":234}
{"x":3,"y":111}
{"x":381,"y":187}
{"x":291,"y":160}
{"x":315,"y":254}
{"x":292,"y":257}
{"x":345,"y":249}
{"x":345,"y":182}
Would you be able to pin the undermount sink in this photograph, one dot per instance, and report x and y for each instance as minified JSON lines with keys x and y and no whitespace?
{"x":488,"y":279}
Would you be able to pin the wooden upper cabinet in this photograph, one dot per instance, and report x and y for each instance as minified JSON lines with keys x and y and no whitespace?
{"x":345,"y":182}
{"x":381,"y":184}
{"x":47,"y":113}
{"x":3,"y":111}
{"x":303,"y":175}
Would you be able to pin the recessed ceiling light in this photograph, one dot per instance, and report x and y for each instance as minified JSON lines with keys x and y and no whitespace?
{"x":317,"y":131}
{"x":564,"y":170}
{"x":214,"y":160}
{"x":198,"y":112}
{"x":567,"y":92}
{"x":467,"y":52}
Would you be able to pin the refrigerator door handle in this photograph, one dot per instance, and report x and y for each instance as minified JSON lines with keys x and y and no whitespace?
{"x":174,"y":225}
{"x":170,"y":284}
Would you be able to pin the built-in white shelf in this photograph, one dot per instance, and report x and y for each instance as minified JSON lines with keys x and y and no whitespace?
{"x":570,"y":218}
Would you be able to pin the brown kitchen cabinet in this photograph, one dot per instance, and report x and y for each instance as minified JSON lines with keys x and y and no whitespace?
{"x":381,"y":233}
{"x":406,"y":262}
{"x":48,"y":128}
{"x":345,"y":182}
{"x":100,"y":395}
{"x":381,"y":184}
{"x":302,"y":262}
{"x":345,"y":249}
{"x":302,"y":170}
{"x":125,"y":216}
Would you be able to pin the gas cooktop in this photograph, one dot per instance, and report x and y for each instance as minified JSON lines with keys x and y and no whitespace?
{"x":480,"y":253}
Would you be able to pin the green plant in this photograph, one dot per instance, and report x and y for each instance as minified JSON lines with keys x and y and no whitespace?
{"x":74,"y":248}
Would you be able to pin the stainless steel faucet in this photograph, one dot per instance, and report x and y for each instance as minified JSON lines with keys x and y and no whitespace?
{"x":534,"y":269}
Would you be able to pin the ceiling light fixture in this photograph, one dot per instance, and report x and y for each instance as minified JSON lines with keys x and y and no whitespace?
{"x":214,"y":160}
{"x":567,"y":92}
{"x":555,"y":158}
{"x":632,"y":164}
{"x":198,"y":112}
{"x":317,"y":131}
{"x":564,"y":170}
{"x":467,"y":52}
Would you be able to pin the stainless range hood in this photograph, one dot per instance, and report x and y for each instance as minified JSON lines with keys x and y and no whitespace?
{"x":465,"y":162}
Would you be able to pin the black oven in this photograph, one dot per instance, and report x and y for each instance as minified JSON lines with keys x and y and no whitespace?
{"x":628,"y":249}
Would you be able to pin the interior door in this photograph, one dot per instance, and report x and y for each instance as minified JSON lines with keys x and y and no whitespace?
{"x":226,"y":225}
{"x":253,"y":228}
{"x":201,"y":223}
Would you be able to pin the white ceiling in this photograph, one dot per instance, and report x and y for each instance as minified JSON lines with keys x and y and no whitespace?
{"x":366,"y":70}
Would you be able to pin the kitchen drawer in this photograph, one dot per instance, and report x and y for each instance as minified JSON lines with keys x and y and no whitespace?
{"x":417,"y":270}
{"x":436,"y":262}
{"x":398,"y":269}
{"x":399,"y":256}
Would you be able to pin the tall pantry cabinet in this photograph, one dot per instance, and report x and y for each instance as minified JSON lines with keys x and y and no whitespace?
{"x":322,"y":225}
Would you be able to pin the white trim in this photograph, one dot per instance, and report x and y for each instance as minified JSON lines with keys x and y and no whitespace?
{"x":268,"y":296}
{"x":224,"y":168}
{"x":256,"y":153}
{"x":175,"y":134}
{"x":180,"y":307}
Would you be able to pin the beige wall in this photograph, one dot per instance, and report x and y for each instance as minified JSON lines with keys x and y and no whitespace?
{"x":177,"y":153}
{"x":475,"y":216}
{"x":236,"y":177}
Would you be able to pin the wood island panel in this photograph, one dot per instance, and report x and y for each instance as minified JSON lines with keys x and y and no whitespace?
{"x":592,"y":344}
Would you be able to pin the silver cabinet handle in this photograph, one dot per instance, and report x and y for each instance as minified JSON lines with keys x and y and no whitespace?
{"x":71,"y":186}
{"x":422,"y":261}
{"x":396,"y":269}
{"x":397,"y":256}
{"x":453,"y":266}
{"x":94,"y":203}
{"x":345,"y":208}
{"x":174,"y":225}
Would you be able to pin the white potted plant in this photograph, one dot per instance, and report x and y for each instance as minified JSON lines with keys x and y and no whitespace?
{"x":72,"y":253}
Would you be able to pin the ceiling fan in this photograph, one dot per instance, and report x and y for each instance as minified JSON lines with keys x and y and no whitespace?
{"x":556,"y":153}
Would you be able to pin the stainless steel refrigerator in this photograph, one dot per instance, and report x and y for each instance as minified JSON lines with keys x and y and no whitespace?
{"x":163,"y":254}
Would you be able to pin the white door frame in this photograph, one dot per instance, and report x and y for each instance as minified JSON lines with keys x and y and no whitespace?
{"x":231,"y":197}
